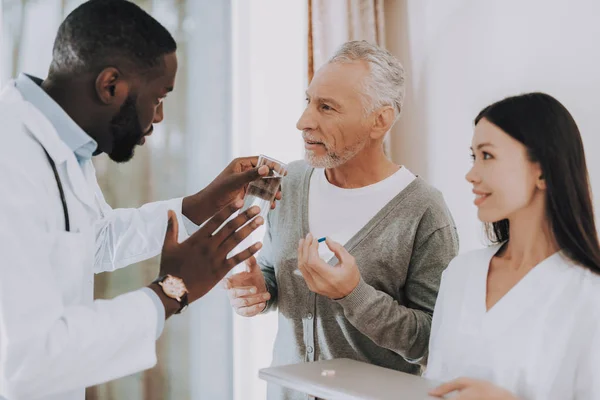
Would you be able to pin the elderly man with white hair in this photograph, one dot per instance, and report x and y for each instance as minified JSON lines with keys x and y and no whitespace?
{"x":367,"y":292}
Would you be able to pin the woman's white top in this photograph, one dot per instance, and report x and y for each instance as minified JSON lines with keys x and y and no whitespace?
{"x":540,"y":341}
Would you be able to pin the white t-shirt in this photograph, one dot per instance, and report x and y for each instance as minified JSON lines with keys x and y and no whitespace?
{"x":340,"y":213}
{"x":541,"y":341}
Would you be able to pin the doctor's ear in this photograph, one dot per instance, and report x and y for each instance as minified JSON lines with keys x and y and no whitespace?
{"x":111,"y":88}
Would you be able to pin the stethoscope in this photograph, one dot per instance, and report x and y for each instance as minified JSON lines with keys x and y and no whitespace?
{"x":61,"y":191}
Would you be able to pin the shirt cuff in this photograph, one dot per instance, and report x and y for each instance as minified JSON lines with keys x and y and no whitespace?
{"x":175,"y":205}
{"x":190,"y":227}
{"x":160,"y":310}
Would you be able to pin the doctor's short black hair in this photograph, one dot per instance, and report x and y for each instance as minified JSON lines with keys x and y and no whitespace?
{"x":102,"y":33}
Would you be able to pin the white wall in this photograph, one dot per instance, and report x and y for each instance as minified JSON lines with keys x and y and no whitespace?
{"x":462,"y":55}
{"x":39,"y":20}
{"x":269,"y":76}
{"x":269,"y":80}
{"x":2,"y":46}
{"x":209,"y":66}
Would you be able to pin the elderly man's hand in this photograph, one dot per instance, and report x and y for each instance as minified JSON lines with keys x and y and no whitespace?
{"x":248,"y":294}
{"x":334,"y":282}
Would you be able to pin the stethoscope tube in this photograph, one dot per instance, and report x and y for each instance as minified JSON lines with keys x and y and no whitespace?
{"x":61,"y":191}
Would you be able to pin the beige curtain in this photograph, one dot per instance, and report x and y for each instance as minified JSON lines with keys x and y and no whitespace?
{"x":333,"y":22}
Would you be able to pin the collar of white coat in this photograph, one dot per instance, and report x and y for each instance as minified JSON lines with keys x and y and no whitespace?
{"x":45,"y":133}
{"x":38,"y":124}
{"x":68,"y":130}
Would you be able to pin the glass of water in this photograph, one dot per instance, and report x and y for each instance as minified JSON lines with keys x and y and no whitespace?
{"x":262,"y":192}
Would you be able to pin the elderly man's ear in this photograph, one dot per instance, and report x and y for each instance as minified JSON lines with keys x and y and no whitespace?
{"x":384,"y":119}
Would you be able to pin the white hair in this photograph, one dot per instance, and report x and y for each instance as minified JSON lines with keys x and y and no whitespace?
{"x":385,"y":83}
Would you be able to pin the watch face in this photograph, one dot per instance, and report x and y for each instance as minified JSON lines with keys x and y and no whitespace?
{"x":173,"y":287}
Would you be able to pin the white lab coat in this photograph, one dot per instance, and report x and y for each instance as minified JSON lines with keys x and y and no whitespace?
{"x":54,"y":339}
{"x":541,"y":341}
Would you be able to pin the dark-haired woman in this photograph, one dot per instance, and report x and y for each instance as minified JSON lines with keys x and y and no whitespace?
{"x":521,"y":318}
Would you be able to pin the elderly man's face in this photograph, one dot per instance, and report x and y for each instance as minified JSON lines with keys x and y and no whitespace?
{"x":334,"y":124}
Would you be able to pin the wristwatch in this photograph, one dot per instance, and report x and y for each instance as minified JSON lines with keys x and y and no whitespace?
{"x":174,"y":288}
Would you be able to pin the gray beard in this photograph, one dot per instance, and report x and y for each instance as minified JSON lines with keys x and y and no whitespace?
{"x":331,"y":160}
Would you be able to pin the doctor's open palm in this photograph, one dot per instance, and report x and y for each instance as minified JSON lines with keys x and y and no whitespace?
{"x":201,"y":260}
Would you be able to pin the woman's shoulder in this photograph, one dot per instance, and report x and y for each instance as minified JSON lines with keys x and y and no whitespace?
{"x":472,"y":260}
{"x":587,"y":289}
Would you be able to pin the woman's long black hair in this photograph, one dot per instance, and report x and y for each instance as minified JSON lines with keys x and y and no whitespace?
{"x":549,"y":132}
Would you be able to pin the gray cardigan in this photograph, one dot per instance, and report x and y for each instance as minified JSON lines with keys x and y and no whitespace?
{"x":386,"y":320}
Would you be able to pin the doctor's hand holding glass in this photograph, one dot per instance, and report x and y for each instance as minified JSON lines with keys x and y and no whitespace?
{"x":190,"y":269}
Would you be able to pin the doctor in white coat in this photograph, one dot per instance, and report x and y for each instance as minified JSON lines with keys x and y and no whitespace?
{"x":112,"y":66}
{"x":521,"y":318}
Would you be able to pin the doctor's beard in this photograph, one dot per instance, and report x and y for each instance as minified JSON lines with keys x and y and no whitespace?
{"x":126,"y":131}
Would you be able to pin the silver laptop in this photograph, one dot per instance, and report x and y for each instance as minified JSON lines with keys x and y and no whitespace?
{"x":344,"y":379}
